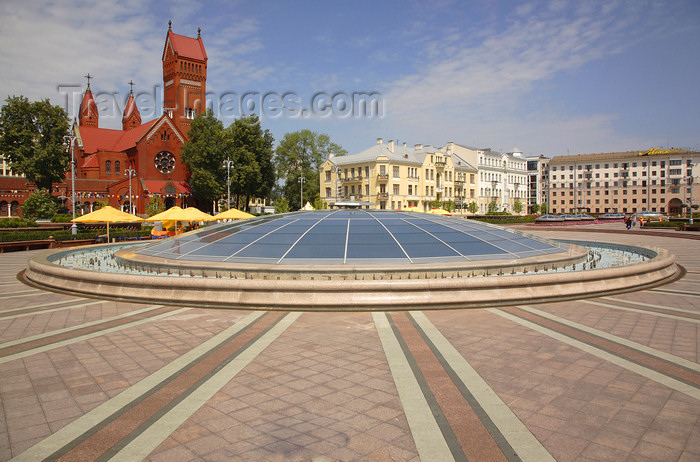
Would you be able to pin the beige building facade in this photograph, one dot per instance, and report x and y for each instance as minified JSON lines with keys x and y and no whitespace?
{"x":502,"y":178}
{"x":659,"y":180}
{"x":393,"y":176}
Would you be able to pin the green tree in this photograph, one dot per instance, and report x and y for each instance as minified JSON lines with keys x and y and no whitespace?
{"x":155,"y":205}
{"x":473,"y":207}
{"x":31,"y":137}
{"x":320,"y":204}
{"x":204,"y":155}
{"x":543,"y":209}
{"x":39,"y":205}
{"x":253,"y":174}
{"x":281,"y":206}
{"x":449,"y":205}
{"x":493,"y":207}
{"x":518,"y":206}
{"x":535,"y":208}
{"x":300,"y":154}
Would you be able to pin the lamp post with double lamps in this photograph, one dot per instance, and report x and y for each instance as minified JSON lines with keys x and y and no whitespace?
{"x":227,"y":164}
{"x":130,"y":172}
{"x":69,"y":142}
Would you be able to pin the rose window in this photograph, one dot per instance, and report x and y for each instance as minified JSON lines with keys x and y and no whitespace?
{"x":165,"y":162}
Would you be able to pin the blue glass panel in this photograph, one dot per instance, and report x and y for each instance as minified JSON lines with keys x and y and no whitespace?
{"x":320,"y":252}
{"x":475,"y":248}
{"x":264,"y":251}
{"x":225,"y":250}
{"x":428,"y":250}
{"x":323,"y":238}
{"x":375,"y":251}
{"x":361,"y":238}
{"x":407,"y":238}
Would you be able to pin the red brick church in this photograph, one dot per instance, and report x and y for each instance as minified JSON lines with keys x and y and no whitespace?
{"x":147,"y":154}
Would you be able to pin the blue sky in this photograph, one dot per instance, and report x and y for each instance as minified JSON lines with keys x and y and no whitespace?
{"x":550,"y":77}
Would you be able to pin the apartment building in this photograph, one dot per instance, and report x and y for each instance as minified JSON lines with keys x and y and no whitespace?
{"x":537,"y":180}
{"x":502,"y":177}
{"x":623,"y":182}
{"x":393,"y":176}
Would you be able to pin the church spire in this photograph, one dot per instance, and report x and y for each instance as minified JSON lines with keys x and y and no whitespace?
{"x":131,"y":117}
{"x":87,"y":114}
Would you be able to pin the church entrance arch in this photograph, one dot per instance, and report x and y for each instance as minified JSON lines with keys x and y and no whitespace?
{"x":675,"y":206}
{"x":169,"y":202}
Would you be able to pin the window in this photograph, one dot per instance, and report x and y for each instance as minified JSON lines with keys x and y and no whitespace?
{"x":117,"y":168}
{"x":396,"y":172}
{"x":396,"y":189}
{"x":108,"y":167}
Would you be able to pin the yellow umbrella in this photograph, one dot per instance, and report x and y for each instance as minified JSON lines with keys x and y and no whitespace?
{"x":179,"y":214}
{"x":412,"y":208}
{"x":107,"y":215}
{"x":174,"y":214}
{"x":440,"y":212}
{"x":233,"y":214}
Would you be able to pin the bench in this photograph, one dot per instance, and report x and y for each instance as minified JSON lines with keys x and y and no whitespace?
{"x":18,"y":246}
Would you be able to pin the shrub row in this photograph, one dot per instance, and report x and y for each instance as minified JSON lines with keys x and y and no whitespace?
{"x":65,"y":235}
{"x":17,"y":223}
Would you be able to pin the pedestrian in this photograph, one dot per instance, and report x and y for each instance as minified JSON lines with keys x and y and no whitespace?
{"x":628,"y":222}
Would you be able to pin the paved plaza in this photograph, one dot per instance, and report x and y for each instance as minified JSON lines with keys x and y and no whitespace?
{"x":609,"y":378}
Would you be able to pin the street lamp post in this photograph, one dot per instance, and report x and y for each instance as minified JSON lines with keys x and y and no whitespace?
{"x":130,"y":172}
{"x":228,"y":163}
{"x":301,"y":192}
{"x":690,"y":182}
{"x":69,"y":141}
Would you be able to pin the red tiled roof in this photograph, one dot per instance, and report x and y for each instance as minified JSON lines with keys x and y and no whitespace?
{"x":130,"y":107}
{"x":88,"y":106}
{"x":157,"y":186}
{"x":90,"y":162}
{"x":187,"y":47}
{"x":104,"y":139}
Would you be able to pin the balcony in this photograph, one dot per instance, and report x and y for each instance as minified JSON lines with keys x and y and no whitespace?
{"x":440,"y":163}
{"x":353,"y":179}
{"x":382,"y":196}
{"x":383,"y":177}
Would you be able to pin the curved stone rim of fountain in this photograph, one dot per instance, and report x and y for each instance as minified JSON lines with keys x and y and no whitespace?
{"x":416,"y":288}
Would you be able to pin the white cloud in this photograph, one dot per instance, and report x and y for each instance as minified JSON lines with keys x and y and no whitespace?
{"x":478,"y":89}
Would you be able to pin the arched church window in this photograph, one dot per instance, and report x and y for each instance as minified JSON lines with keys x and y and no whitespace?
{"x":117,"y":168}
{"x":108,"y":167}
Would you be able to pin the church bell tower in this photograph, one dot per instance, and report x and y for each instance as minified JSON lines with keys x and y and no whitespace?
{"x":184,"y":77}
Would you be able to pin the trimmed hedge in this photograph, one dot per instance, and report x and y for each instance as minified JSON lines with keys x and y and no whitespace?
{"x":504,"y":219}
{"x":65,"y":235}
{"x":17,"y":223}
{"x":662,"y":224}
